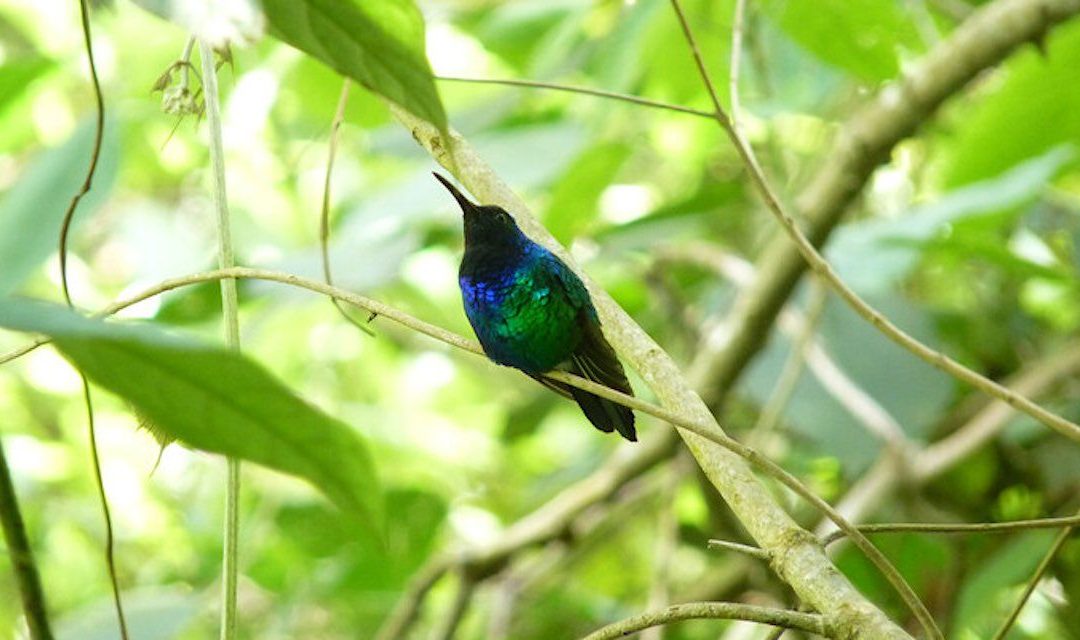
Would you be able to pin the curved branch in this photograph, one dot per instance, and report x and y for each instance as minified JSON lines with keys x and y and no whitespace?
{"x":929,"y":463}
{"x":809,"y":622}
{"x":798,"y":559}
{"x":897,"y":111}
{"x":782,"y":550}
{"x":65,"y":229}
{"x":860,"y":306}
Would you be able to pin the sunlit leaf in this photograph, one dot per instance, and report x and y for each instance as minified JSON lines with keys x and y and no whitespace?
{"x":1034,"y":106}
{"x":32,"y":210}
{"x":872,"y":256}
{"x":16,"y":75}
{"x":863,"y":37}
{"x":575,"y":197}
{"x":158,"y":614}
{"x":983,"y":598}
{"x":378,"y":44}
{"x":211,"y":399}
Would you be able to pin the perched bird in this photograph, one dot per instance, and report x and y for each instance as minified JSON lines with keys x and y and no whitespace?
{"x":530,"y":311}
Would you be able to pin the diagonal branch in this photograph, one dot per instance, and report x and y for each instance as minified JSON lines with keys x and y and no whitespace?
{"x":860,"y":306}
{"x":789,"y":547}
{"x":864,"y":142}
{"x":799,"y":560}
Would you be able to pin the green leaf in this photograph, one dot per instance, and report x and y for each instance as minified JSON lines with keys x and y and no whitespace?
{"x":863,"y":37}
{"x":378,"y":44}
{"x":16,"y":75}
{"x":872,"y":256}
{"x":575,"y":197}
{"x":1030,"y":108}
{"x":211,"y":399}
{"x":152,"y":614}
{"x":981,"y":604}
{"x":32,"y":210}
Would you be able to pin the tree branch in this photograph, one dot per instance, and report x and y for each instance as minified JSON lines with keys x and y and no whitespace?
{"x":797,"y":557}
{"x":860,"y":306}
{"x":783,"y":550}
{"x":897,"y":111}
{"x":809,"y":622}
{"x":22,"y":557}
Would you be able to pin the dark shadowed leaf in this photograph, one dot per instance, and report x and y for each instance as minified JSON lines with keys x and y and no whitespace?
{"x":211,"y":399}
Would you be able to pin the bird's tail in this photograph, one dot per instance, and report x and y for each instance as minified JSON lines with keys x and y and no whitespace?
{"x":604,"y":414}
{"x":595,"y":360}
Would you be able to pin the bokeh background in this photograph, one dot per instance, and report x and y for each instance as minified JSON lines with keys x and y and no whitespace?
{"x":966,"y":237}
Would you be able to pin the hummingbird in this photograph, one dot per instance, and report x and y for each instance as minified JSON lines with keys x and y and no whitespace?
{"x":530,"y":311}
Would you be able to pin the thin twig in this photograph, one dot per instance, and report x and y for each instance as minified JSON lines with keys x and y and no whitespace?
{"x":706,"y":431}
{"x":738,"y":24}
{"x":798,"y":558}
{"x":230,"y":550}
{"x":905,"y":591}
{"x":791,"y":372}
{"x":458,"y":608}
{"x":745,"y":549}
{"x":1044,"y":564}
{"x":809,"y":622}
{"x":65,"y":229}
{"x":826,"y":272}
{"x":22,"y":557}
{"x":966,"y":528}
{"x":324,"y":216}
{"x":532,"y":84}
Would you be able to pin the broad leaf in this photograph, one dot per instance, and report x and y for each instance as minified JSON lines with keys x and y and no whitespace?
{"x":152,"y":614}
{"x":32,"y":210}
{"x":873,"y":256}
{"x":863,"y":37}
{"x":16,"y":75}
{"x":1031,"y":107}
{"x":211,"y":399}
{"x":378,"y":44}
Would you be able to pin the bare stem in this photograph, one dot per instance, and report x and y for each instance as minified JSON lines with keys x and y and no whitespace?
{"x":65,"y":229}
{"x":324,"y":216}
{"x":809,"y":622}
{"x":1044,"y":564}
{"x":599,"y":93}
{"x":905,"y":591}
{"x":230,"y":552}
{"x":22,"y":557}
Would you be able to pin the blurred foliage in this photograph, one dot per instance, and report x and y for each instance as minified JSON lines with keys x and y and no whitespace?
{"x":967,"y":237}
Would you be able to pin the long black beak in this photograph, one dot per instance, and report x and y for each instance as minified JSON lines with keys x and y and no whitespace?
{"x":466,"y":204}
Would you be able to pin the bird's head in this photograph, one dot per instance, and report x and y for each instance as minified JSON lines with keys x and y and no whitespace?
{"x":483,"y":224}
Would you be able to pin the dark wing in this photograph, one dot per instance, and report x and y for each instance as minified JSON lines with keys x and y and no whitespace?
{"x":595,"y":360}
